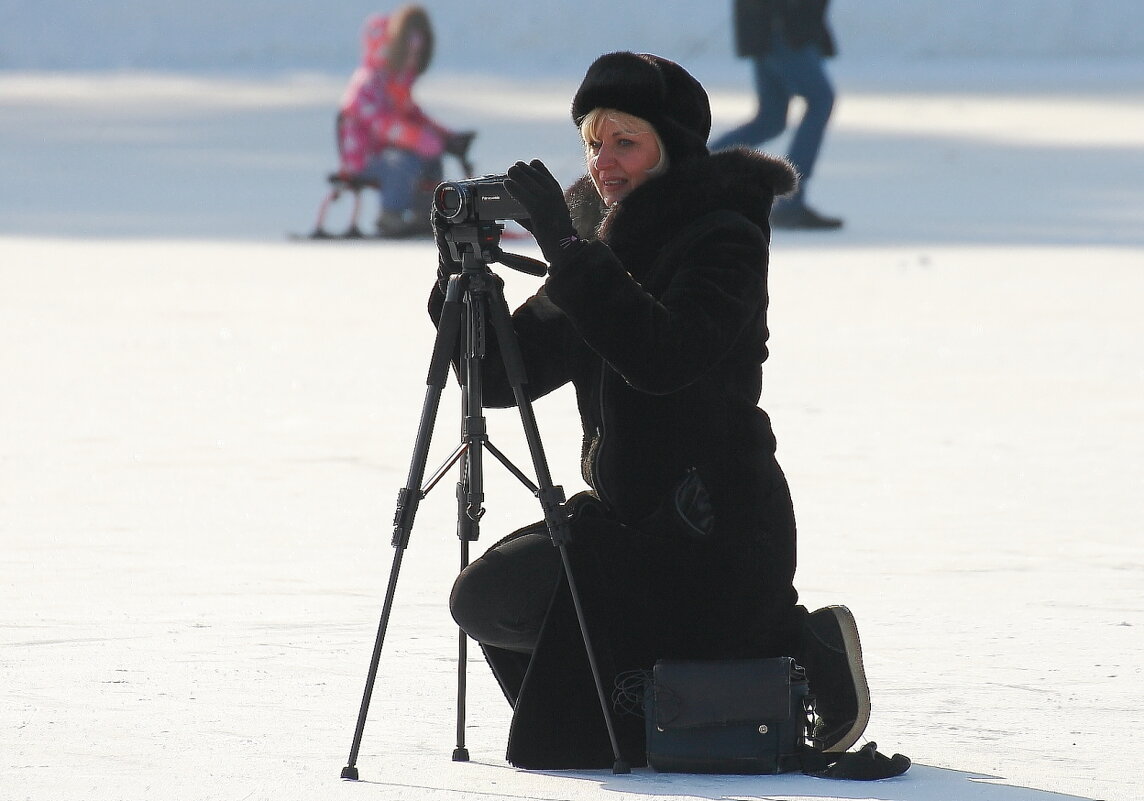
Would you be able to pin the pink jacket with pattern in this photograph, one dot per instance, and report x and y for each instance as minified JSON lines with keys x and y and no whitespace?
{"x":377,"y":110}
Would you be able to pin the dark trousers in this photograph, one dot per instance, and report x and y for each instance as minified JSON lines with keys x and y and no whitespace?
{"x":501,"y":598}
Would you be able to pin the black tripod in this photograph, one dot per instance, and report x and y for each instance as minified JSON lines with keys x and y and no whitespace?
{"x":474,"y":299}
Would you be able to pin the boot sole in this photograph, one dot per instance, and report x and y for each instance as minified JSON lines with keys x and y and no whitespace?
{"x":849,"y":630}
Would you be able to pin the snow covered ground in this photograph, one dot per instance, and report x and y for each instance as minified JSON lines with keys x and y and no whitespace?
{"x":203,"y":429}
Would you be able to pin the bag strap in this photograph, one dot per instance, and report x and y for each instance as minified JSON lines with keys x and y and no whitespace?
{"x":865,"y":764}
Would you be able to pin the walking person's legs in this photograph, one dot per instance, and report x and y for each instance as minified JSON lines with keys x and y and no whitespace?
{"x":804,"y":75}
{"x":770,"y":115}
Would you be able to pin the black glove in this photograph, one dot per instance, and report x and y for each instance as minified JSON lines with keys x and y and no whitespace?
{"x":446,"y":264}
{"x":548,"y":217}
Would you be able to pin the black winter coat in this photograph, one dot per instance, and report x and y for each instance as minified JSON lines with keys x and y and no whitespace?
{"x":660,"y":325}
{"x":801,"y":22}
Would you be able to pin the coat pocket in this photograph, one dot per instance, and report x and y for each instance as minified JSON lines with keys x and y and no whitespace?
{"x":686,"y":512}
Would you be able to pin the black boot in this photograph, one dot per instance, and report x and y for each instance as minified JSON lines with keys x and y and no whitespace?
{"x":792,"y":212}
{"x":832,"y":656}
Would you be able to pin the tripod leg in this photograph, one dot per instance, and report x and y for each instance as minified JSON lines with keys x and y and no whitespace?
{"x":350,"y":771}
{"x":471,"y":486}
{"x":409,"y":497}
{"x":461,"y":752}
{"x":551,"y":497}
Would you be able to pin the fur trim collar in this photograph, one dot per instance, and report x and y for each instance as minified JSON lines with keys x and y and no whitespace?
{"x":739,"y":179}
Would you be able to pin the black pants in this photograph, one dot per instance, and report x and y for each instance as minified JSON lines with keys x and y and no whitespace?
{"x":502,"y":597}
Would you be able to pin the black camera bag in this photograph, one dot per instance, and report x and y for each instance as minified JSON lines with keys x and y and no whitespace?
{"x":730,"y":716}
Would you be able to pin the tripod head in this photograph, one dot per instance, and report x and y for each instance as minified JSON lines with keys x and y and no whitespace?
{"x":481,"y":241}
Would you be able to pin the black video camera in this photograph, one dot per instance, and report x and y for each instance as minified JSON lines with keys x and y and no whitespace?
{"x":476,"y":200}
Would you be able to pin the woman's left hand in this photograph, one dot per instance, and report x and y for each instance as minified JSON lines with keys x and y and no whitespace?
{"x":539,"y":192}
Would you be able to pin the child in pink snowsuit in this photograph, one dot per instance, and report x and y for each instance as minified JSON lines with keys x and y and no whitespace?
{"x":383,"y":135}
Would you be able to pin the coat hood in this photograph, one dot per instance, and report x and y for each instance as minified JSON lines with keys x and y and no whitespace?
{"x":388,"y":41}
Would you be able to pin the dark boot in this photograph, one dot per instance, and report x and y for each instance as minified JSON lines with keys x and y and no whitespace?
{"x":832,"y":656}
{"x":792,"y":212}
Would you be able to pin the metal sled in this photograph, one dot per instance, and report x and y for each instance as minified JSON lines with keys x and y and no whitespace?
{"x":341,"y":184}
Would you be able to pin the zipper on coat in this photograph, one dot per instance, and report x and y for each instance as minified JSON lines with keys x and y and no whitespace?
{"x":594,"y":464}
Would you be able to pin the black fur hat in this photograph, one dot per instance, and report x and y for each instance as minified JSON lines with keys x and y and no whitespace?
{"x":654,"y":89}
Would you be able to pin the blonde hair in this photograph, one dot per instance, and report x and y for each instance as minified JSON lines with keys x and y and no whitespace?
{"x":629,"y":124}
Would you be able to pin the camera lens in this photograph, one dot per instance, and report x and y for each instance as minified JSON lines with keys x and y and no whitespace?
{"x":449,"y":200}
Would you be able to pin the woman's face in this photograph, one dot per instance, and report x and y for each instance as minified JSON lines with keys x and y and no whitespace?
{"x":619,"y":160}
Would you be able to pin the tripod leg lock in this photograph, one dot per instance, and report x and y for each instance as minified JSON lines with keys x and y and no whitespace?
{"x":407,"y":503}
{"x":555,"y":515}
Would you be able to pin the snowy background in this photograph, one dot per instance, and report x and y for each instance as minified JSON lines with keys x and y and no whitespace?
{"x":203,"y":427}
{"x":548,"y":35}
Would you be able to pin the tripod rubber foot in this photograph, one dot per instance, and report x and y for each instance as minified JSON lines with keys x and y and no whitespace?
{"x":460,"y":754}
{"x":621,"y":767}
{"x":350,"y":772}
